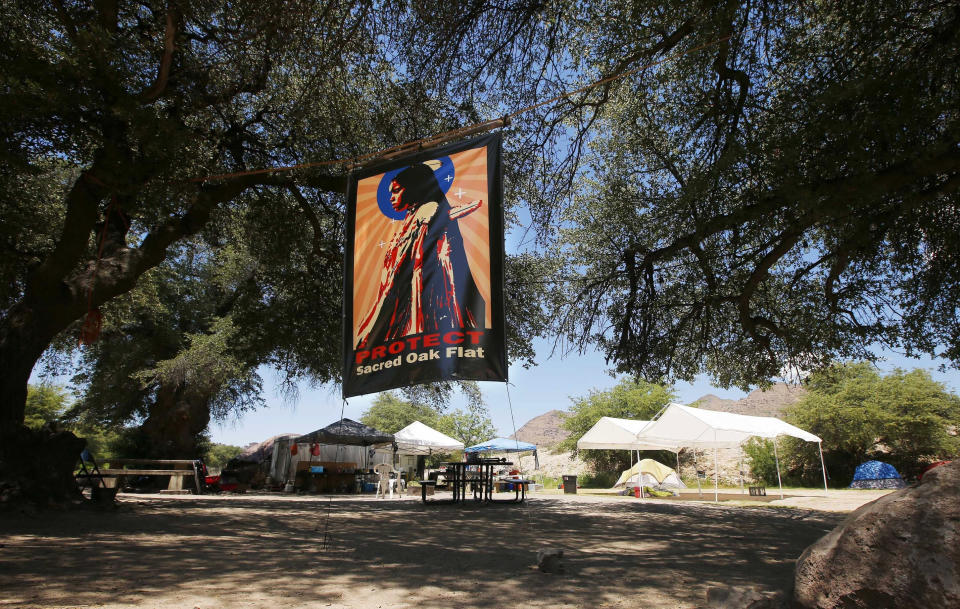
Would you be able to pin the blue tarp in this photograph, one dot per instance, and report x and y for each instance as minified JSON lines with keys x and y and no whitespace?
{"x":876,"y":474}
{"x":501,"y":445}
{"x":875,"y":470}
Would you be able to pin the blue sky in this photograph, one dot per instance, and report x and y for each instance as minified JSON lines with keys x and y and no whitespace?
{"x":532,"y":392}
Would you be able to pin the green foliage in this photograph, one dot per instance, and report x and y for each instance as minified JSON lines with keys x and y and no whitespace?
{"x":45,"y":404}
{"x":48,"y":403}
{"x":390,"y":414}
{"x":628,"y":399}
{"x":218,"y":455}
{"x":761,"y":459}
{"x":903,"y":418}
{"x":598,"y":480}
{"x":470,"y":426}
{"x":785,"y":195}
{"x":114,"y":114}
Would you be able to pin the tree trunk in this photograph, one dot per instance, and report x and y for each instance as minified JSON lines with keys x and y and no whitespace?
{"x":25,"y":334}
{"x":175,"y":423}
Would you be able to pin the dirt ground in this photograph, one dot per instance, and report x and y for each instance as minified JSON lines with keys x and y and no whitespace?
{"x":346,"y":551}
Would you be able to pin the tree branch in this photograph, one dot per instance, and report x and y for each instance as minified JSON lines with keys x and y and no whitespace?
{"x":163,"y":73}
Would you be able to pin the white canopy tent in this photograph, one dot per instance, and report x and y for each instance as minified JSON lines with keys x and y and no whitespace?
{"x":680,"y":425}
{"x":611,"y":433}
{"x":419,"y":439}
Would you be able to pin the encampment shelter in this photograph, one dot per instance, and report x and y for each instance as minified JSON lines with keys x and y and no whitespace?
{"x":419,"y":439}
{"x":612,"y":433}
{"x":876,"y":474}
{"x":504,"y":445}
{"x":343,"y":441}
{"x":649,"y":472}
{"x":680,"y":425}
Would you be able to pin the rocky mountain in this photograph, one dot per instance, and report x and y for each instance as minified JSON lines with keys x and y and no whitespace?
{"x":761,"y":403}
{"x":543,"y":430}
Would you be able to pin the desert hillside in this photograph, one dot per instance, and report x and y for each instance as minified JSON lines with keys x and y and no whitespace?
{"x":544,"y":430}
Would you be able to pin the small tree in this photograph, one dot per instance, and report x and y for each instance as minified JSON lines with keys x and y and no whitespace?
{"x":45,"y":404}
{"x":470,"y":426}
{"x":628,"y":399}
{"x":904,"y":418}
{"x":390,"y":413}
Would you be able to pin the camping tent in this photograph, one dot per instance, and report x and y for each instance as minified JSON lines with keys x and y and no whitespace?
{"x":504,"y":445}
{"x":680,"y":425}
{"x":876,"y":474}
{"x":611,"y":433}
{"x":648,"y":472}
{"x":419,"y":439}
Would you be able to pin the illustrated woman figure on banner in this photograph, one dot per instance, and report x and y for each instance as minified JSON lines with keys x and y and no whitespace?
{"x":425,"y":283}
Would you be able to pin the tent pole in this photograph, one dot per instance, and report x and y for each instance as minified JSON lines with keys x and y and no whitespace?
{"x":716,"y":469}
{"x":696,"y":471}
{"x":741,"y":469}
{"x":779,"y":483}
{"x":823,"y":468}
{"x":640,"y":474}
{"x":716,"y":474}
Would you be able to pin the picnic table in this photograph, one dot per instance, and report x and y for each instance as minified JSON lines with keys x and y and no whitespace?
{"x":176,"y":469}
{"x":480,"y":481}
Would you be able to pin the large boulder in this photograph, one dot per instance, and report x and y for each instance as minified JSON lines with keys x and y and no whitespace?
{"x":900,"y":551}
{"x":36,"y":466}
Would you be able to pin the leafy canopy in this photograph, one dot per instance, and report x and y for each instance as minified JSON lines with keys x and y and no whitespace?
{"x":904,"y":418}
{"x":785,"y":196}
{"x":628,"y":399}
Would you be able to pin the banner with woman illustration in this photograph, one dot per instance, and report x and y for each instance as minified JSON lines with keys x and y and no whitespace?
{"x":424,"y":270}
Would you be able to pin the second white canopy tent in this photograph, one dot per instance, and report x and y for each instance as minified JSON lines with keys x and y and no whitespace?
{"x":680,"y":426}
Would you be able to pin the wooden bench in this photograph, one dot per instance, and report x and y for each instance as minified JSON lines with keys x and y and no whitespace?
{"x":177,"y":469}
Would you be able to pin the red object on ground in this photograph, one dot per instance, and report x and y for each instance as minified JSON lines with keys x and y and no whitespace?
{"x":636,"y":492}
{"x":211,"y":479}
{"x":931,"y":466}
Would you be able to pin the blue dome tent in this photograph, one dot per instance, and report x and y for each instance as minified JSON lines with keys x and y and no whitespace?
{"x":876,"y":474}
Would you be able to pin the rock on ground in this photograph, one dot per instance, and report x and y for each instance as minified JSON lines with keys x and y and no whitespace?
{"x":900,"y":552}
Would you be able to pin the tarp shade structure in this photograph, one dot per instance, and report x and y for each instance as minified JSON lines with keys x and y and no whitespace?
{"x":681,"y":425}
{"x":262,"y":451}
{"x":610,"y":433}
{"x":347,"y":432}
{"x":505,"y":445}
{"x":419,"y":439}
{"x":654,"y":468}
{"x":501,"y":445}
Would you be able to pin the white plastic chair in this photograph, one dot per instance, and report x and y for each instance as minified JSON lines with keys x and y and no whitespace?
{"x":384,"y":484}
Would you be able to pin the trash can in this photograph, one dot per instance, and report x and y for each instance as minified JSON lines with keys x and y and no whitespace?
{"x":570,"y":485}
